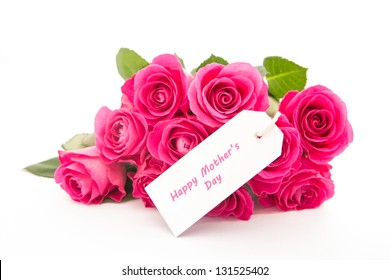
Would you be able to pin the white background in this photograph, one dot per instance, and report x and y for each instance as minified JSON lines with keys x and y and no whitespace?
{"x":57,"y":68}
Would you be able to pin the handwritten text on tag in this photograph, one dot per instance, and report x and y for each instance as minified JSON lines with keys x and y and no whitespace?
{"x":214,"y":169}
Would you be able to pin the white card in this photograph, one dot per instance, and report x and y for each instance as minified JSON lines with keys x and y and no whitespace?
{"x":215,"y":169}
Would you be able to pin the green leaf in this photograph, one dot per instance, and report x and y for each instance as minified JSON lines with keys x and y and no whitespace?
{"x":129,"y":190}
{"x":284,"y":75}
{"x":79,"y":141}
{"x":45,"y":168}
{"x":262,"y":70}
{"x":273,"y":106}
{"x":129,"y":62}
{"x":211,"y":59}
{"x":131,"y":167}
{"x":181,"y":60}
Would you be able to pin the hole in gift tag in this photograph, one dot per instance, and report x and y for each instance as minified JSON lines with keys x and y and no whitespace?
{"x":268,"y":128}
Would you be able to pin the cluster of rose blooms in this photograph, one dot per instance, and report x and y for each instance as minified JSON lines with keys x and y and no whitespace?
{"x":165,"y":112}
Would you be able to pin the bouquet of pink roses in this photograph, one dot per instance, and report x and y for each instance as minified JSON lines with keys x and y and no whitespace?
{"x":165,"y":112}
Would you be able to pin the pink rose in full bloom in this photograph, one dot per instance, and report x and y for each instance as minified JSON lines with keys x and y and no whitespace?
{"x":305,"y":188}
{"x":321,"y":118}
{"x":149,"y":170}
{"x":238,"y":204}
{"x":172,"y":139}
{"x":120,"y":134}
{"x":270,"y":178}
{"x":158,"y":91}
{"x":219,"y":92}
{"x":87,"y":179}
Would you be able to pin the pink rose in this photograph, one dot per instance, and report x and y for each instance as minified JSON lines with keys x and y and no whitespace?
{"x":270,"y":178}
{"x":219,"y":92}
{"x":321,"y":118}
{"x":87,"y":179}
{"x":307,"y":187}
{"x":158,"y":91}
{"x":120,"y":134}
{"x":172,"y":139}
{"x":149,"y":170}
{"x":238,"y":204}
{"x":125,"y":103}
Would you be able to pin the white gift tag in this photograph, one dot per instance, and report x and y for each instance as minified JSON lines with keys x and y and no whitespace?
{"x":215,"y":169}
